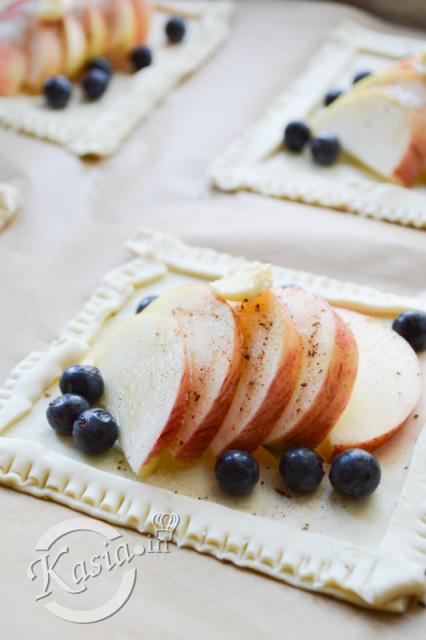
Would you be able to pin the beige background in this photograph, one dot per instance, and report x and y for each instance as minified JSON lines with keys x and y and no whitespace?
{"x":71,"y":230}
{"x":411,"y":12}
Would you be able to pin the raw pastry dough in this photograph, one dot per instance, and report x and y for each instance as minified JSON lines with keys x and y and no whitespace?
{"x":373,"y":555}
{"x":255,"y":163}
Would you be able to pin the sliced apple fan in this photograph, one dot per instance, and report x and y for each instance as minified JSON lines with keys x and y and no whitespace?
{"x":63,"y":44}
{"x":194,"y":371}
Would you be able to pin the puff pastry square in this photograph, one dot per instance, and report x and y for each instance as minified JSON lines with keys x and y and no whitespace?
{"x":99,"y":128}
{"x":256,"y":161}
{"x":370,"y":553}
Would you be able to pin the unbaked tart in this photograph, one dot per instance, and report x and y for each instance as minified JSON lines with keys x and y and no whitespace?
{"x":232,"y":389}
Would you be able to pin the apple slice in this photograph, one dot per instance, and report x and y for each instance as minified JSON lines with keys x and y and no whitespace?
{"x":272,"y":351}
{"x":96,"y":28}
{"x":45,"y":55}
{"x":13,"y":68}
{"x":123,"y":30}
{"x":213,"y":339}
{"x":145,"y":368}
{"x":142,"y":12}
{"x":76,"y":46}
{"x":381,"y":121}
{"x":386,"y":391}
{"x":327,"y":374}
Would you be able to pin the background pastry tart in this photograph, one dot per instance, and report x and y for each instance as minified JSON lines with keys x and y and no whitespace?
{"x":43,"y":38}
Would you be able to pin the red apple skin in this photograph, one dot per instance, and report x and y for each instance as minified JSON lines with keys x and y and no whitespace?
{"x":200,"y":440}
{"x":171,"y":428}
{"x":414,"y":161}
{"x":13,"y":68}
{"x":279,"y":392}
{"x":334,"y":396}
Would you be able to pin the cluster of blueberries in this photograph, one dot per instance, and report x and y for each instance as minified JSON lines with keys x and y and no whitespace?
{"x":95,"y":81}
{"x":93,"y":430}
{"x":325,"y":147}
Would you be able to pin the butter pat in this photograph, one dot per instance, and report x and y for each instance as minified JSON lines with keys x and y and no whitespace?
{"x":245,"y":282}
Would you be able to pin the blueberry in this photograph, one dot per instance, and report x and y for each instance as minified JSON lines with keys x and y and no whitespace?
{"x":64,"y":411}
{"x":140,"y":58}
{"x":331,"y":96}
{"x":360,"y":76}
{"x":57,"y":91}
{"x":237,"y":472}
{"x":325,"y":149}
{"x":175,"y":29}
{"x":301,"y":469}
{"x":296,"y":135}
{"x":145,"y":302}
{"x":355,"y":473}
{"x":103,"y":64}
{"x":95,"y":431}
{"x":82,"y":380}
{"x":411,"y":325}
{"x":94,"y":83}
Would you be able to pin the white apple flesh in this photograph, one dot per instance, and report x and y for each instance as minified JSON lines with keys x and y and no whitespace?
{"x":76,"y":45}
{"x":146,"y":373}
{"x":386,"y":392}
{"x":327,"y":374}
{"x":214,"y":345}
{"x":96,"y":28}
{"x":272,"y":351}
